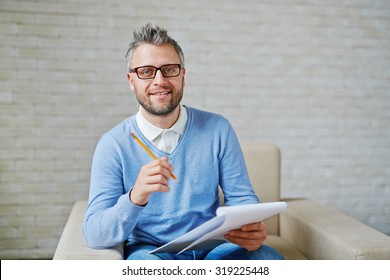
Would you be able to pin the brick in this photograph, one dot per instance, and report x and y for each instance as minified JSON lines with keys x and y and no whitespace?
{"x":15,"y":221}
{"x":16,"y":244}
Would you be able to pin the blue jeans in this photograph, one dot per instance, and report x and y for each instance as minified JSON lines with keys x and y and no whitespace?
{"x":225,"y":251}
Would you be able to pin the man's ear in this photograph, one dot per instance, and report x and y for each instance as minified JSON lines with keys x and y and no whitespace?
{"x":131,"y":81}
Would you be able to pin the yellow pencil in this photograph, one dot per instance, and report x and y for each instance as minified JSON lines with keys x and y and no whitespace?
{"x":149,"y":151}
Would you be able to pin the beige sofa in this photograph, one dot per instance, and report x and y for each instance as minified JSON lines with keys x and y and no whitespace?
{"x":306,"y":230}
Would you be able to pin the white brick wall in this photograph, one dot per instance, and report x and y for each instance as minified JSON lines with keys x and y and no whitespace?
{"x":310,"y":76}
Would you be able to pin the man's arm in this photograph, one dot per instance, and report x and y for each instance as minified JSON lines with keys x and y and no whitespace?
{"x":238,"y":190}
{"x":110,"y":216}
{"x":234,"y":178}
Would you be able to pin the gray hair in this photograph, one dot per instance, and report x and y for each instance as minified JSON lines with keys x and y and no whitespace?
{"x":153,"y":35}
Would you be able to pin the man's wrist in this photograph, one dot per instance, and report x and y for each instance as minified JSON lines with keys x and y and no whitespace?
{"x":138,"y":204}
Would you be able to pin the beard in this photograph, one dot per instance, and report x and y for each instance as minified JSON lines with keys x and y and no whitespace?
{"x":161,"y":109}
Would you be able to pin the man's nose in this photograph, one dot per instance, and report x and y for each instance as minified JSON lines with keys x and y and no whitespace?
{"x":159,"y":78}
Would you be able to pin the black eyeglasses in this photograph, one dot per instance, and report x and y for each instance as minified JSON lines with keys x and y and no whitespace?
{"x":149,"y":72}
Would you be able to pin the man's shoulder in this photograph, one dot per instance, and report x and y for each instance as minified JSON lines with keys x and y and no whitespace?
{"x":209,"y":123}
{"x":199,"y":113}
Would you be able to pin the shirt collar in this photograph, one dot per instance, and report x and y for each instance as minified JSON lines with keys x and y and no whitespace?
{"x":151,"y":132}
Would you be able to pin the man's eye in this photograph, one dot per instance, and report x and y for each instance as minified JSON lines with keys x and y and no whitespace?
{"x":171,"y":70}
{"x":145,"y":71}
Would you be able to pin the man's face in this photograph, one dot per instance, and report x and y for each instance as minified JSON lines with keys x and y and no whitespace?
{"x":159,"y":95}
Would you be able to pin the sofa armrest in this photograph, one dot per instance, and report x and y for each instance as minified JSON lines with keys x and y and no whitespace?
{"x":322,"y":233}
{"x":72,"y":246}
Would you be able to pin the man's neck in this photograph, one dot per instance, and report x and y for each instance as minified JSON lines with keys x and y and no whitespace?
{"x":163,"y":122}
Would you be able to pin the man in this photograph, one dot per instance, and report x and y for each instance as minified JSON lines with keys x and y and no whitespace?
{"x":133,"y":198}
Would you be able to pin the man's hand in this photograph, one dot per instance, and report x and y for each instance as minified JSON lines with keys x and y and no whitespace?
{"x":250,"y":236}
{"x":153,"y":177}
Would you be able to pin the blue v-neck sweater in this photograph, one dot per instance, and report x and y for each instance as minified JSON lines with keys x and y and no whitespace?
{"x":208,"y":155}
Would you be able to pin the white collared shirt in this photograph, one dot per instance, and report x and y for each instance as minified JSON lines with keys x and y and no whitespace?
{"x":164,"y":139}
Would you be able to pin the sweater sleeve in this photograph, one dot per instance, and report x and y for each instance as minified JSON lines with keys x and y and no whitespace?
{"x":234,"y":178}
{"x":111,"y":216}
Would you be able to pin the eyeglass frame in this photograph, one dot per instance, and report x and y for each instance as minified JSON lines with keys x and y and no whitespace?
{"x":135,"y":70}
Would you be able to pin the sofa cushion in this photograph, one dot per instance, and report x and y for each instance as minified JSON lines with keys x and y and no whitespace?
{"x":285,"y":249}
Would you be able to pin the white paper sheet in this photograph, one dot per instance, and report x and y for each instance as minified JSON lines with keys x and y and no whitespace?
{"x":228,"y":218}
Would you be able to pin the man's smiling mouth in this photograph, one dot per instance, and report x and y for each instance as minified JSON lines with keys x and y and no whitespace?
{"x":160,"y":93}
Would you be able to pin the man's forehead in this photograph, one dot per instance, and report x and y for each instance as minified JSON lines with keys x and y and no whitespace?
{"x":147,"y":54}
